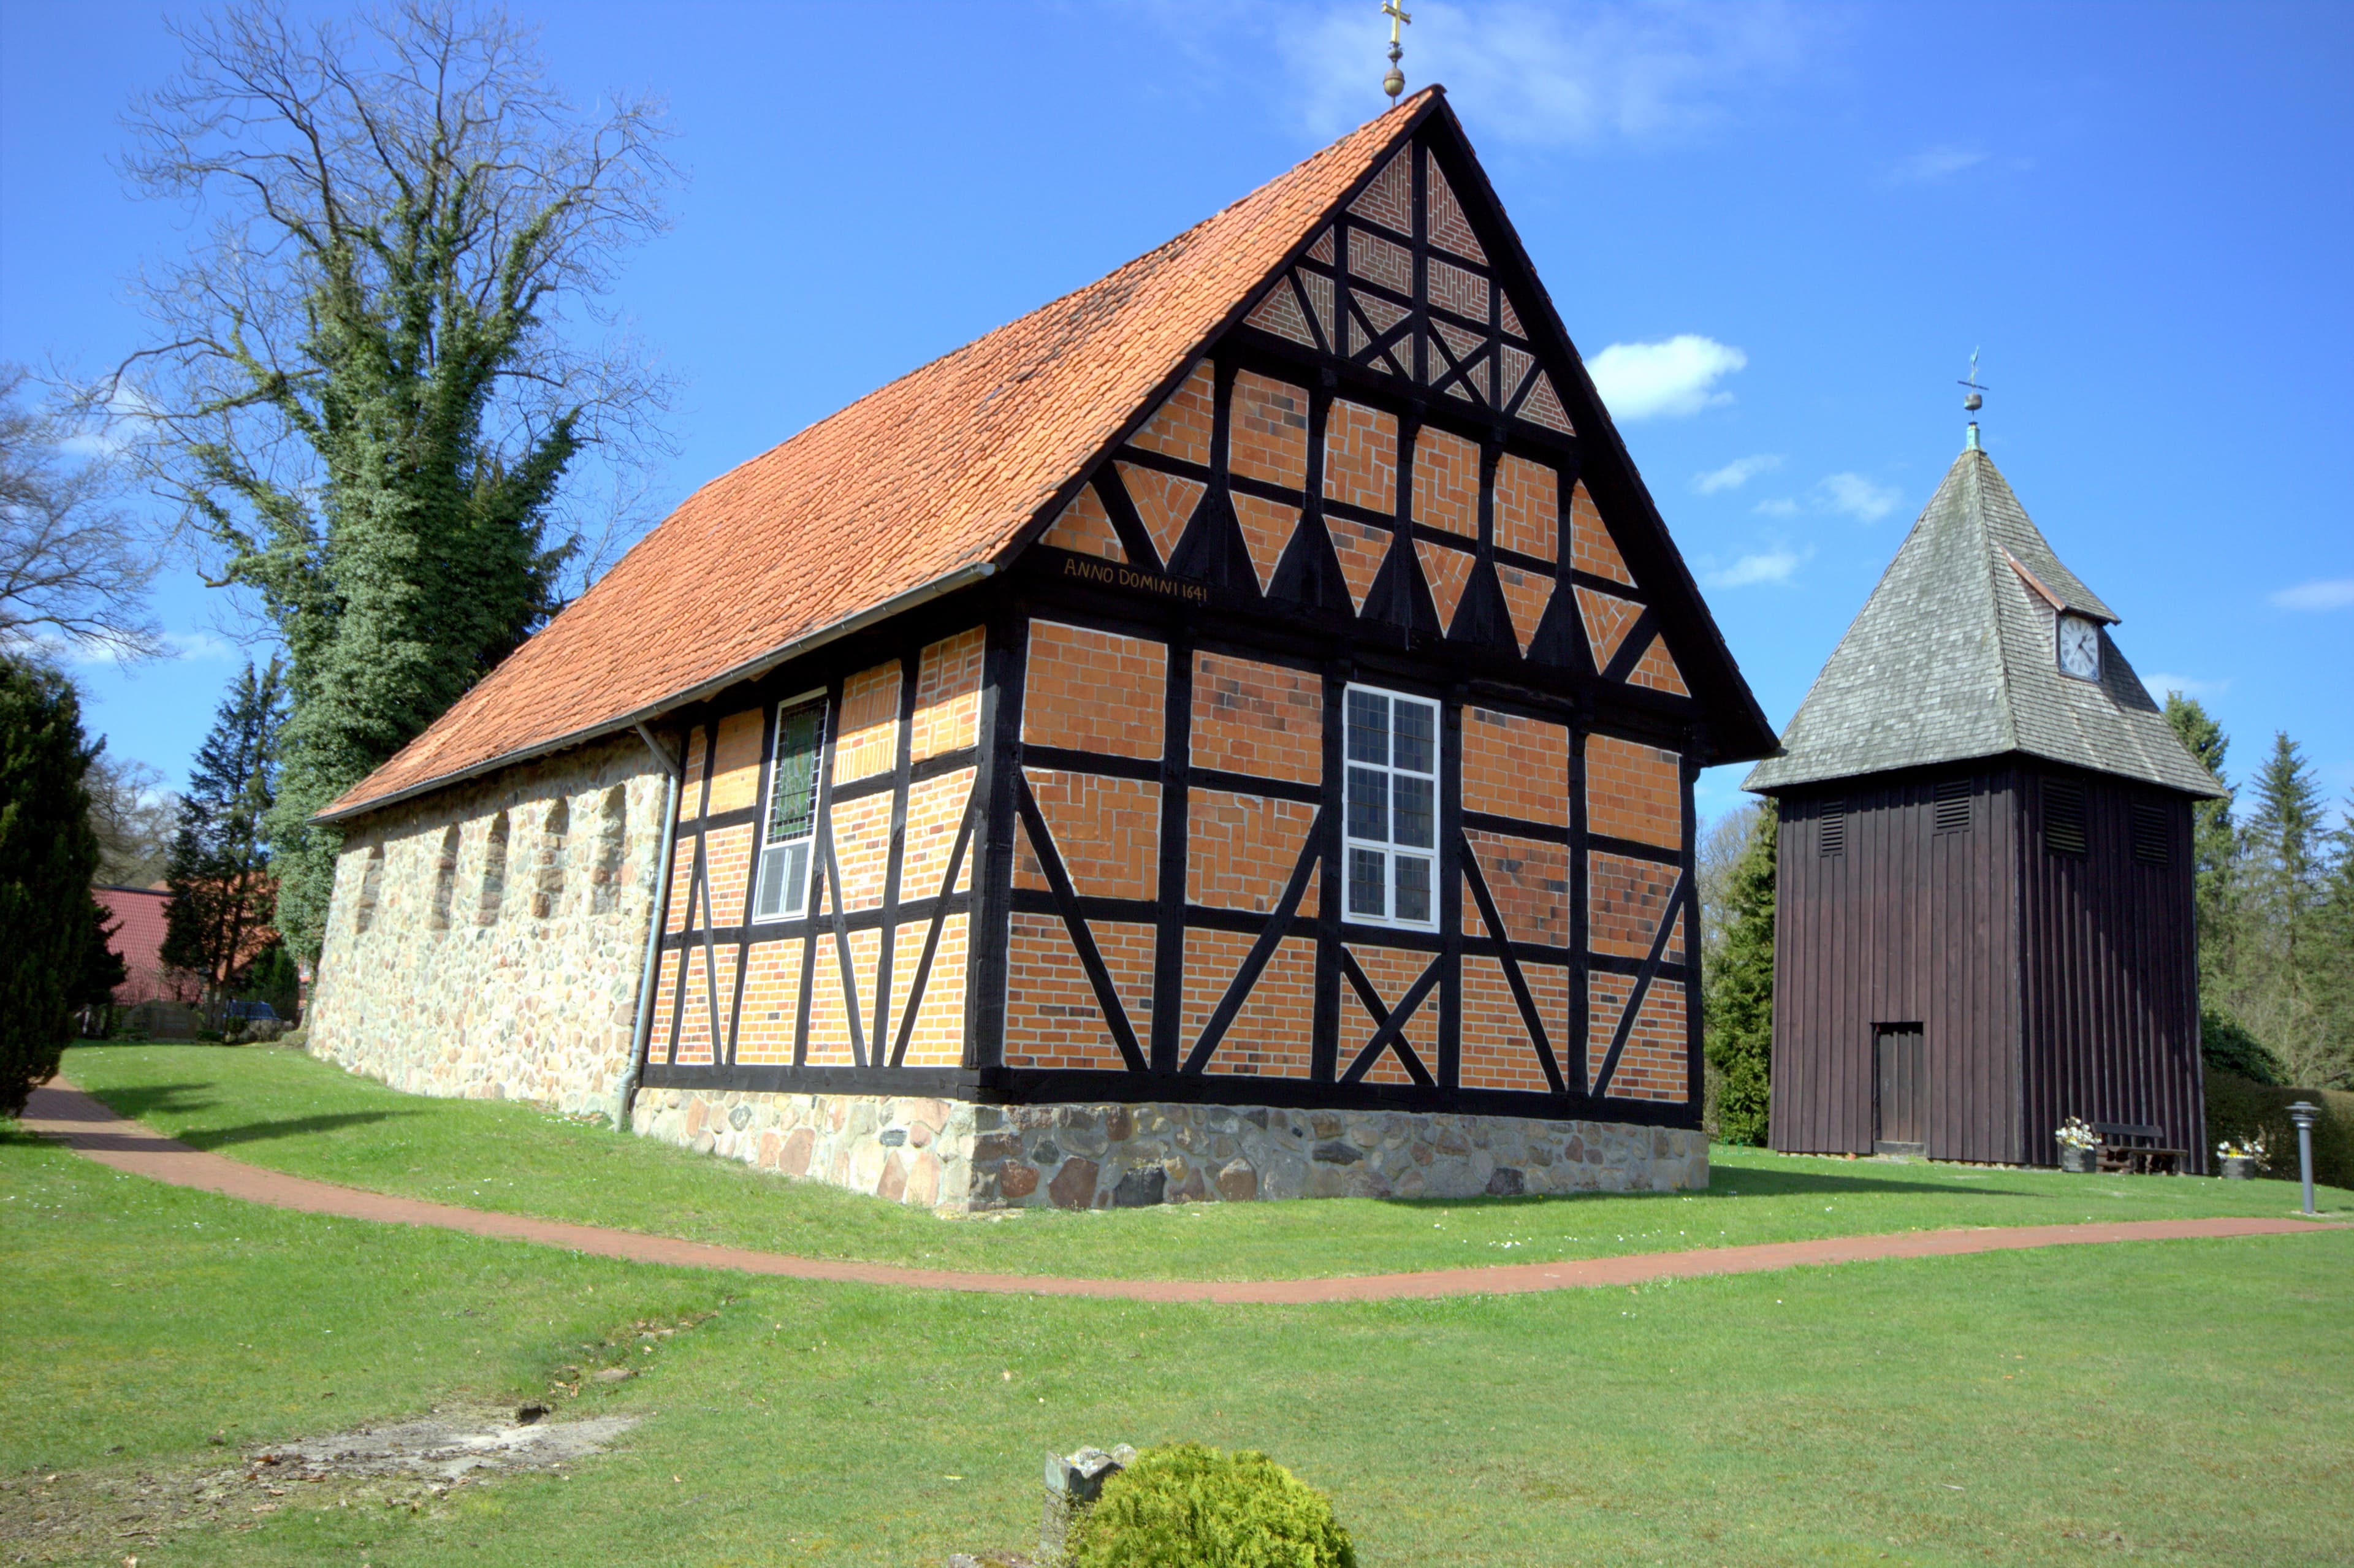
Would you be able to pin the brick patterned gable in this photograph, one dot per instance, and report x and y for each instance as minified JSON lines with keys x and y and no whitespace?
{"x":822,"y":530}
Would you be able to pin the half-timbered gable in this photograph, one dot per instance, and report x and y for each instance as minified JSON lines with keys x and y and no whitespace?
{"x":1319,"y":738}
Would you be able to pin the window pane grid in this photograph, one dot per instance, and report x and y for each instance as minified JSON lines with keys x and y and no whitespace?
{"x":1391,"y":807}
{"x":792,"y":823}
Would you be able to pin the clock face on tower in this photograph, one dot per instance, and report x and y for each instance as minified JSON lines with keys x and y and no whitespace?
{"x":2080,"y":648}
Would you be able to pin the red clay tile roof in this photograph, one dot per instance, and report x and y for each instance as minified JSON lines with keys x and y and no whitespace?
{"x":138,"y":916}
{"x":820,"y":529}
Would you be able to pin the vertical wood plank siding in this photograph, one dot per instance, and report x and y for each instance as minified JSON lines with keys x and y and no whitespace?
{"x":1906,"y":925}
{"x":2110,"y":967}
{"x":2046,"y":984}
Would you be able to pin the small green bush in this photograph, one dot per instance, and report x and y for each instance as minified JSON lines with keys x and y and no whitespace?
{"x":2229,"y":1048}
{"x":2238,"y":1108}
{"x":1186,"y":1506}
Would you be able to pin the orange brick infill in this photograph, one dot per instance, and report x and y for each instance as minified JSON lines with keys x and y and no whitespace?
{"x":59,"y":1111}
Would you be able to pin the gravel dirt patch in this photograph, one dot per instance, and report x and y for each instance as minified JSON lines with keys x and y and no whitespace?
{"x":108,"y":1515}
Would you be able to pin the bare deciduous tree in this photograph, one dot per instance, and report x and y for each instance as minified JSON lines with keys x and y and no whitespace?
{"x":416,"y":177}
{"x":133,"y":815}
{"x":1721,"y":849}
{"x":74,"y":564}
{"x":383,"y":385}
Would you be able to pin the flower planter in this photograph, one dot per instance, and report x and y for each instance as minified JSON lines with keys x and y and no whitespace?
{"x":2083,"y":1161}
{"x":2239,"y":1168}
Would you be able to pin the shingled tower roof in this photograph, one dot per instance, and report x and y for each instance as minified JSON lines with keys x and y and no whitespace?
{"x":1951,"y":659}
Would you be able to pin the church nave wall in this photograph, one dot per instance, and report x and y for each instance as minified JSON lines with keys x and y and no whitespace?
{"x":486,"y":940}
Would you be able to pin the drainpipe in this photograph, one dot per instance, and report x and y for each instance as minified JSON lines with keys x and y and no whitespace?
{"x":643,"y":1032}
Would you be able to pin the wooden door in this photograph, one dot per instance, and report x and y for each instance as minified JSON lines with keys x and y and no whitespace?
{"x":1900,"y":1063}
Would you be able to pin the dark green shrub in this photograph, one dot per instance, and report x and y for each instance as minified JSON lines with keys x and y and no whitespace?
{"x":273,"y":979}
{"x":1187,"y":1506}
{"x":1738,"y":1027}
{"x":2238,"y":1108}
{"x":48,"y":854}
{"x":2229,"y":1048}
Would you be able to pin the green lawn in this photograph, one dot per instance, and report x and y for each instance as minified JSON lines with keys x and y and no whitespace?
{"x":2171,"y":1403}
{"x":284,"y":1110}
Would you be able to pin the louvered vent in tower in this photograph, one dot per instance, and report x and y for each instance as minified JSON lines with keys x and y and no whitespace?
{"x":1953,"y":806}
{"x":2149,"y":834}
{"x":1830,"y":838}
{"x":2064,"y":816}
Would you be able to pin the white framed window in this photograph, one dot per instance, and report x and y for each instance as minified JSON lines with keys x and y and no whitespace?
{"x":789,"y":828}
{"x":1392,"y":818}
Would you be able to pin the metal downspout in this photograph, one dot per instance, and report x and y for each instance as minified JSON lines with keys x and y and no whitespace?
{"x":642,"y":1034}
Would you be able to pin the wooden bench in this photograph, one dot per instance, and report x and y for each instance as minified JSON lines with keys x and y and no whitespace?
{"x":2135,"y":1147}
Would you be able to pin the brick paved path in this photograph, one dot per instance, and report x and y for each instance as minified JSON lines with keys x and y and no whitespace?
{"x":83,"y":1124}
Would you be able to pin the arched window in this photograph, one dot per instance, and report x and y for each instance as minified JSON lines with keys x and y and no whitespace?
{"x":445,"y":881}
{"x":371,"y":884}
{"x":548,"y":890}
{"x":494,"y":873}
{"x":612,"y":839}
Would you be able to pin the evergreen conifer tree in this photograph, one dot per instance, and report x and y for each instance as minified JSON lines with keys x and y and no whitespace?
{"x":2335,"y":966}
{"x":219,"y":870}
{"x":47,"y":855}
{"x":2213,"y":849}
{"x":102,"y":969}
{"x":1738,"y":1037}
{"x":2277,"y":973}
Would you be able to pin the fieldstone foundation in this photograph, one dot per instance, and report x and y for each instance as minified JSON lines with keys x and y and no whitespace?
{"x":956,"y":1157}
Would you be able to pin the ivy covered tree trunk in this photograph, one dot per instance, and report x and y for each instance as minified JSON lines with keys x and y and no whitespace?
{"x":1739,"y":1034}
{"x":369,"y":391}
{"x":47,"y":855}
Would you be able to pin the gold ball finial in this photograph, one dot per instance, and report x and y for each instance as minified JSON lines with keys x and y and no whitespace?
{"x":1394,"y":83}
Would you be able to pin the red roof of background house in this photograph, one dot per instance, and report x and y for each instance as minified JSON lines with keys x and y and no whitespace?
{"x":936,"y":474}
{"x":137,"y":914}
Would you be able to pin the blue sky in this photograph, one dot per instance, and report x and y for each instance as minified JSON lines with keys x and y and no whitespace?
{"x":1777,"y":234}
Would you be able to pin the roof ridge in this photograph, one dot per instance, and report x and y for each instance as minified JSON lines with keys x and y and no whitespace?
{"x":972,"y":346}
{"x":901,"y":494}
{"x":1974,"y":514}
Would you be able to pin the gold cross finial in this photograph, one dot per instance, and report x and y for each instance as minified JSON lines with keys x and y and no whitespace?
{"x":1394,"y":83}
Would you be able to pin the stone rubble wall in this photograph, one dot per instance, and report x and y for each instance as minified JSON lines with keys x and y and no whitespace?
{"x":514,"y":986}
{"x":955,"y":1157}
{"x":909,"y":1149}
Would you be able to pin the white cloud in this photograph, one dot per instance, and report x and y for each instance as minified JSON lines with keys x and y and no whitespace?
{"x":1774,"y":565}
{"x":2158,"y":685}
{"x":173,"y":647}
{"x":1934,"y":163}
{"x":1736,"y":474}
{"x":108,"y":431}
{"x":1858,"y":497}
{"x":199,"y":645}
{"x":1552,"y":76}
{"x":1668,"y":380}
{"x":2330,"y":593}
{"x":1847,"y":494}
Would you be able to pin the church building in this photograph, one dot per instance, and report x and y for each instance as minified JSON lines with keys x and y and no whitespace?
{"x":1228,"y":734}
{"x":1982,"y":888}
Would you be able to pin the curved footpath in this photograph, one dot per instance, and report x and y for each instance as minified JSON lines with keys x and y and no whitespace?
{"x":61,"y":1112}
